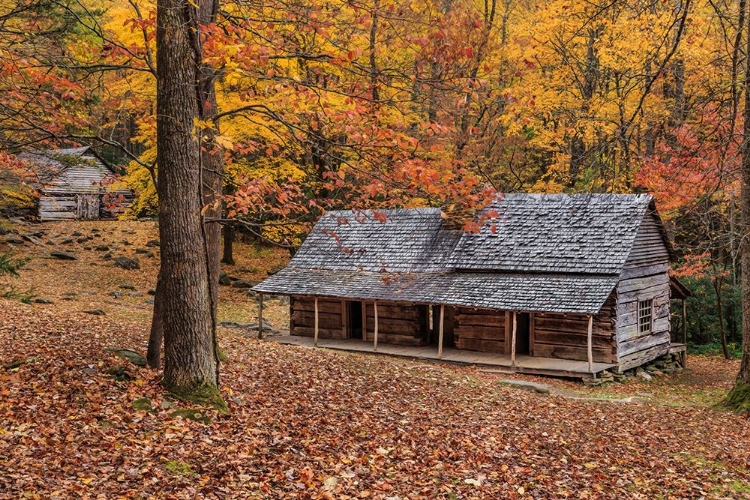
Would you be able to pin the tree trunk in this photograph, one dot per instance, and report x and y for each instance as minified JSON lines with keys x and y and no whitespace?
{"x":717,"y":282}
{"x":744,"y":375}
{"x":739,"y":397}
{"x":228,"y":257}
{"x":184,"y":291}
{"x":373,"y":61}
{"x":212,"y":179}
{"x":156,"y":336}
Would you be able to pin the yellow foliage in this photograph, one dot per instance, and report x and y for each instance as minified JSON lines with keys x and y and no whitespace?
{"x":547,"y":95}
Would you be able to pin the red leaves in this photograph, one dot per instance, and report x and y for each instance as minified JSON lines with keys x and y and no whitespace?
{"x":697,"y":161}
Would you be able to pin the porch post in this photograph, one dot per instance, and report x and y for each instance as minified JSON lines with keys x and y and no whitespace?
{"x":316,"y":321}
{"x":364,"y":321}
{"x":513,"y":340}
{"x":260,"y":316}
{"x":684,"y":332}
{"x":440,"y":331}
{"x":375,"y":336}
{"x":588,"y":343}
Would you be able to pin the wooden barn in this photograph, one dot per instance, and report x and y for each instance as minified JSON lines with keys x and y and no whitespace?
{"x":554,"y":284}
{"x":76,"y":183}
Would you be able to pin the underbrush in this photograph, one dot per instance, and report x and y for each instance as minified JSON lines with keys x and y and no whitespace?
{"x":714,"y":349}
{"x":10,"y":264}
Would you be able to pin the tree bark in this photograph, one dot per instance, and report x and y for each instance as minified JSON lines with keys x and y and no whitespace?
{"x":744,"y":375}
{"x":212,"y":175}
{"x":228,"y":256}
{"x":156,"y":336}
{"x":739,"y":396}
{"x":717,"y":282}
{"x":184,"y":290}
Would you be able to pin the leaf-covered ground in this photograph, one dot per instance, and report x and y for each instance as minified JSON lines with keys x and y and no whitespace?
{"x":310,"y":423}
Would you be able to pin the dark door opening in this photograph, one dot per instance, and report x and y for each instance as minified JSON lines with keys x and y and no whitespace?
{"x":522,"y":333}
{"x":432,"y":322}
{"x":354,"y":319}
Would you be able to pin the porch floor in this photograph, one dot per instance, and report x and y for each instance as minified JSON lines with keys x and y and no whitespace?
{"x":524,"y":364}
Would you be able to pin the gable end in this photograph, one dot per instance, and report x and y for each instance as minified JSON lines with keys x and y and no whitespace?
{"x":651,"y":252}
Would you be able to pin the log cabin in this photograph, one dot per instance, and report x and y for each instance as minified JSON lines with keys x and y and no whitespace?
{"x":548,"y":277}
{"x":76,"y":183}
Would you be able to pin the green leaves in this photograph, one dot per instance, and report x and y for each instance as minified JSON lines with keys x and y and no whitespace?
{"x":10,"y":264}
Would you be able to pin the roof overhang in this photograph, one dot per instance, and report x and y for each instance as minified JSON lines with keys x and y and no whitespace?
{"x":543,"y":293}
{"x":678,"y":290}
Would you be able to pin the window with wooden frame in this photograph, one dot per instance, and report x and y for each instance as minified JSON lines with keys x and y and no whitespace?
{"x":645,"y":315}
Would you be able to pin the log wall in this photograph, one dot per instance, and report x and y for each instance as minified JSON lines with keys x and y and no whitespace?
{"x":635,"y":348}
{"x":61,"y":207}
{"x":649,"y":254}
{"x":565,"y":336}
{"x":645,"y":277}
{"x":58,"y":207}
{"x":402,"y":324}
{"x":480,"y":330}
{"x":302,"y":318}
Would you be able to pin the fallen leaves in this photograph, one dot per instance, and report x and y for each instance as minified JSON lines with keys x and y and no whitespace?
{"x":316,"y":424}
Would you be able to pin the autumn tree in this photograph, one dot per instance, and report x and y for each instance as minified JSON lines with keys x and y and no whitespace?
{"x":43,"y":96}
{"x":739,"y":397}
{"x":191,"y":367}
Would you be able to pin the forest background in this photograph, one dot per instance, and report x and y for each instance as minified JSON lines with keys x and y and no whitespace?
{"x":325,"y":105}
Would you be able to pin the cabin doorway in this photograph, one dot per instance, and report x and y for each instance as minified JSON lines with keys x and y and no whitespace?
{"x":523,"y":333}
{"x":354,"y":319}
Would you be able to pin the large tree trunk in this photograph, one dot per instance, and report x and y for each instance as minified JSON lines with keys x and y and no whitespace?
{"x":190,"y":366}
{"x":212,"y":179}
{"x":739,"y":397}
{"x":212,"y":174}
{"x":744,"y":375}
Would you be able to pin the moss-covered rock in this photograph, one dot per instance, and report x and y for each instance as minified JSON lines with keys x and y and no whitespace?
{"x":223,"y":358}
{"x":17,"y":362}
{"x":143,"y":404}
{"x":129,"y":354}
{"x":120,"y":373}
{"x":179,"y":468}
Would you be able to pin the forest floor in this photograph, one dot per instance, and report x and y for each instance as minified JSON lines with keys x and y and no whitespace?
{"x":311,"y":423}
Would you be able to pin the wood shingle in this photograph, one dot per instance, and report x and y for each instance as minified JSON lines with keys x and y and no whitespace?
{"x":557,"y":233}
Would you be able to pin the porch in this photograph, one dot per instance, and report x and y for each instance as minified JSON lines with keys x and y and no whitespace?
{"x":524,"y":364}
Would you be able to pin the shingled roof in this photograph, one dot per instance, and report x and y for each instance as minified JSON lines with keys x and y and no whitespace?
{"x":541,"y":253}
{"x":400,"y":240}
{"x":558,"y":233}
{"x":47,"y":166}
{"x":522,"y":292}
